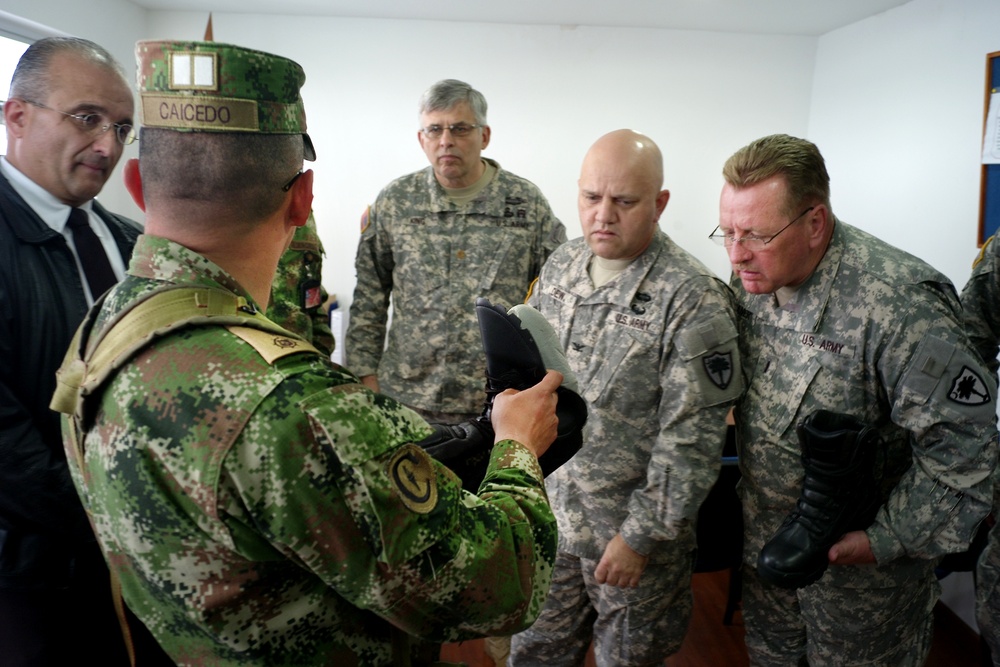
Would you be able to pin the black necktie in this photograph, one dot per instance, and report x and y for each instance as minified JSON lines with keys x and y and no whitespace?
{"x":89,"y":249}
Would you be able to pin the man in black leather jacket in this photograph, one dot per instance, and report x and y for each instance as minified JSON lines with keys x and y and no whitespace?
{"x":68,"y":117}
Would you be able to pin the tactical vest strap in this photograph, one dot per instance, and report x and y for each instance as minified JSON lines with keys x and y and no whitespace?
{"x":91,"y":360}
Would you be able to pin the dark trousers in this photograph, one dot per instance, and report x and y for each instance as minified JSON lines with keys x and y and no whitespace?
{"x":72,"y":625}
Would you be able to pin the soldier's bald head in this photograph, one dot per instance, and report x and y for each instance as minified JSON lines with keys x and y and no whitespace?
{"x":621,"y":196}
{"x":628,"y":151}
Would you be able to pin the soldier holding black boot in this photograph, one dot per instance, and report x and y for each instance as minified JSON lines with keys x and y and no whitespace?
{"x":867,"y":431}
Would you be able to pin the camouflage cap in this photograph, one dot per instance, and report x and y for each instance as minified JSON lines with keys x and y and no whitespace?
{"x":215,"y":87}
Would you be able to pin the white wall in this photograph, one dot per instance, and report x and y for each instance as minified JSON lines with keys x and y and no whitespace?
{"x":894,"y":102}
{"x":552,"y":91}
{"x":897,"y":109}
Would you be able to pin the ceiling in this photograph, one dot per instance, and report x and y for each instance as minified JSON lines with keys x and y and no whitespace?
{"x":784,"y":17}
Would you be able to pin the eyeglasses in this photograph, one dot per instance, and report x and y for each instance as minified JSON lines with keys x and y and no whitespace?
{"x":95,"y":124}
{"x":752,"y":242}
{"x":458,"y":130}
{"x":288,"y":186}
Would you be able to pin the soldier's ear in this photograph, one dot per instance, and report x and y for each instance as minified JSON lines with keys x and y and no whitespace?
{"x":133,"y":182}
{"x":14,"y":116}
{"x":662,"y":197}
{"x":301,"y":198}
{"x":819,"y":223}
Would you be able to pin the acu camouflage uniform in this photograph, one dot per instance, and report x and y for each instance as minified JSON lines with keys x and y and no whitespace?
{"x":272,"y":514}
{"x":435,"y":258}
{"x":657,"y":360}
{"x":981,"y":301}
{"x":297,"y":294}
{"x":874,"y":333}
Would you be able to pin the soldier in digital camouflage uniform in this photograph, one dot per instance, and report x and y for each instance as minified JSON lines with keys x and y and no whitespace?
{"x":434,"y":241}
{"x":981,"y":302}
{"x":297,"y":295}
{"x":650,"y":334}
{"x":834,"y":318}
{"x":257,"y":503}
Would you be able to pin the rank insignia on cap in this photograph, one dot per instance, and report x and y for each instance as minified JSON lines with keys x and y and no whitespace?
{"x":968,"y":388}
{"x":412,"y":474}
{"x":193,"y":71}
{"x":189,"y":86}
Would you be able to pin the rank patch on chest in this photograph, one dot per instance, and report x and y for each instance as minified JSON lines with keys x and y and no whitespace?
{"x":968,"y":388}
{"x":412,"y":474}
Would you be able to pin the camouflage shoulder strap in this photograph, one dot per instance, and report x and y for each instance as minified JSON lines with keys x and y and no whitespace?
{"x":91,"y":360}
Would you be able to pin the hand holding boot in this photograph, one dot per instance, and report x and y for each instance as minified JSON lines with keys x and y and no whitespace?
{"x":528,"y":416}
{"x":852,"y":549}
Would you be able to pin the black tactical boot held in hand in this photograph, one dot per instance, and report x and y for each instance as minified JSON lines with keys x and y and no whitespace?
{"x":838,"y":495}
{"x":519,"y":345}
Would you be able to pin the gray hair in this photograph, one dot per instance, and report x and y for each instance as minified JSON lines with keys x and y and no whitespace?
{"x":31,"y":80}
{"x":447,"y":93}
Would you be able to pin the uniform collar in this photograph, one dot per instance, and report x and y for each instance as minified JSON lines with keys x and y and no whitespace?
{"x":157,"y":258}
{"x":623,"y":291}
{"x":487,"y":201}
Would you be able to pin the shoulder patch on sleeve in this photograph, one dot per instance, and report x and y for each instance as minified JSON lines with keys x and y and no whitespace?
{"x":719,"y":368}
{"x":968,"y":388}
{"x":366,"y":219}
{"x":711,"y":351}
{"x":942,"y":370}
{"x":412,"y":475}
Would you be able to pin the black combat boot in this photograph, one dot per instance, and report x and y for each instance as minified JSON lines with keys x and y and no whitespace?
{"x":519,"y":345}
{"x":838,"y":495}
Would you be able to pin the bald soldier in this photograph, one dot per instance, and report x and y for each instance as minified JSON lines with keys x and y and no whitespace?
{"x":651,"y":336}
{"x":258,"y":504}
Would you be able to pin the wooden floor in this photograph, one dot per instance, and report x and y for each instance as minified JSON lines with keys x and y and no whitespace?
{"x":709,"y":643}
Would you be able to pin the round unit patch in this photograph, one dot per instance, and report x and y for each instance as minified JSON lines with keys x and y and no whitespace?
{"x":412,"y":475}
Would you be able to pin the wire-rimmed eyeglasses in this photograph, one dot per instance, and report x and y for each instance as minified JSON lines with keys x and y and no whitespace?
{"x":457,"y":130}
{"x":288,"y":186}
{"x":95,"y":124}
{"x":752,"y":242}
